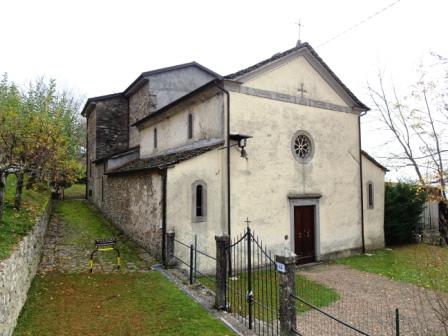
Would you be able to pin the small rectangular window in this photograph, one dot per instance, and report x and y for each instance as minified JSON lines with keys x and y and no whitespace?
{"x":370,"y":195}
{"x":155,"y":137}
{"x":190,"y":126}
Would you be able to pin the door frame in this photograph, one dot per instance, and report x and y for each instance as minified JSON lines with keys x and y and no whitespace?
{"x":303,"y":201}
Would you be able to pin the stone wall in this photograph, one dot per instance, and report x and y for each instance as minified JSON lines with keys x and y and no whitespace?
{"x":141,"y":103}
{"x":17,"y":273}
{"x":111,"y":126}
{"x":133,"y":202}
{"x":91,"y":150}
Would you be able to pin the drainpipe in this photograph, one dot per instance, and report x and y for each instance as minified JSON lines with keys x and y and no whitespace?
{"x":361,"y":183}
{"x":163,"y":173}
{"x":228,"y":155}
{"x":87,"y":158}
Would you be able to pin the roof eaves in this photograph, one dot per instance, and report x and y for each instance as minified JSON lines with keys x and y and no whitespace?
{"x":99,"y":98}
{"x":375,"y":162}
{"x":164,"y":160}
{"x":129,"y":89}
{"x":176,"y":102}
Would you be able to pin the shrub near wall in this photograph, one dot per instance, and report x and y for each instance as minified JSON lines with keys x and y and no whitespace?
{"x":17,"y":273}
{"x":403,"y":207}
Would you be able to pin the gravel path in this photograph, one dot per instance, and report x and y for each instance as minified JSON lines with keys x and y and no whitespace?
{"x":368,"y":301}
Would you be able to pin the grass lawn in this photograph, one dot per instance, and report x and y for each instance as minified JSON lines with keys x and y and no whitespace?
{"x":264,"y":282}
{"x":112,"y":304}
{"x":75,"y":191}
{"x":423,"y":265}
{"x":16,"y":224}
{"x":83,"y":224}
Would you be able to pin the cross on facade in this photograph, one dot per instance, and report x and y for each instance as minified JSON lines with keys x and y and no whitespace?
{"x":301,"y":89}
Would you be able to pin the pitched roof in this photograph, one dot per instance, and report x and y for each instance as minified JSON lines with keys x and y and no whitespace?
{"x":375,"y":162}
{"x":99,"y":98}
{"x":176,"y":102}
{"x":142,"y":76}
{"x":281,"y":55}
{"x":167,"y":159}
{"x":170,"y":68}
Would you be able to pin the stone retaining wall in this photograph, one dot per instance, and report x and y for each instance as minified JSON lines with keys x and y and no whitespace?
{"x":17,"y":273}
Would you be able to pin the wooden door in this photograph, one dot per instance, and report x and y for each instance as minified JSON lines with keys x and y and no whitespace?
{"x":304,"y":242}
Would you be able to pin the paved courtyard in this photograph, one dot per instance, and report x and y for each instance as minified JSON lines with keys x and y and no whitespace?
{"x":368,"y":301}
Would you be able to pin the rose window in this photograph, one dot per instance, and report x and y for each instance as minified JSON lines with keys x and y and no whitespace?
{"x":302,"y":146}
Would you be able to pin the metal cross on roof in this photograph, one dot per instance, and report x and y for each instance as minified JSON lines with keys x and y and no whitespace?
{"x":247,"y":221}
{"x":300,"y":25}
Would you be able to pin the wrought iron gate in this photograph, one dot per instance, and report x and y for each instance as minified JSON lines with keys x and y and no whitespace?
{"x":252,"y":290}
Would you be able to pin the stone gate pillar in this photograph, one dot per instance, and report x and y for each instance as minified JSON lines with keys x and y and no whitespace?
{"x":170,"y":261}
{"x":222,"y":261}
{"x":286,"y":279}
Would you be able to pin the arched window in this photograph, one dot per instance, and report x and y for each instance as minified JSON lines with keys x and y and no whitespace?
{"x":190,"y":126}
{"x":370,"y":195}
{"x":199,"y":201}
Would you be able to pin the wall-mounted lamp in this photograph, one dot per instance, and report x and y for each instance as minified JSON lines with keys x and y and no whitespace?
{"x":241,"y":142}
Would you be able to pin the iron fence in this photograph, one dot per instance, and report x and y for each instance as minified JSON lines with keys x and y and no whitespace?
{"x":251,"y":289}
{"x":195,"y":274}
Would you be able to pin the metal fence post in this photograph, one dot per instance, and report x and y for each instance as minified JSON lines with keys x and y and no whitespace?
{"x":287,"y":309}
{"x":249,"y":295}
{"x":195,"y":256}
{"x":222,"y":261}
{"x":169,"y":260}
{"x":397,"y":322}
{"x":191,"y":264}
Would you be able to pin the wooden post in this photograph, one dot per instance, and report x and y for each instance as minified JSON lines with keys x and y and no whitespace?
{"x":222,"y":261}
{"x":287,"y":277}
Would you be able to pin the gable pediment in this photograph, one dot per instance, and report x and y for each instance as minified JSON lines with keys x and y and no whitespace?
{"x":299,"y":72}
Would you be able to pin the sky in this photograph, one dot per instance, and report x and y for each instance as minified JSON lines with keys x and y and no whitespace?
{"x":98,"y":47}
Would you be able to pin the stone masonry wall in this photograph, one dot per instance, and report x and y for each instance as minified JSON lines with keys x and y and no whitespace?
{"x":133,"y":202}
{"x":141,"y":103}
{"x":91,"y":149}
{"x":17,"y":273}
{"x":111,"y":126}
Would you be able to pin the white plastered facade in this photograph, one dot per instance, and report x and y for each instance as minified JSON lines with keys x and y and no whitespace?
{"x":266,"y":187}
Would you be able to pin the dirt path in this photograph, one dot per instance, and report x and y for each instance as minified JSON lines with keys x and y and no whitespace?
{"x":368,"y":301}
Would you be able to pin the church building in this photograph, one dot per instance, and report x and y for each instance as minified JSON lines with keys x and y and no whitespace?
{"x":184,"y":149}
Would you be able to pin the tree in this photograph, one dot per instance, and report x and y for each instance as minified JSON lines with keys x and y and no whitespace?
{"x":417,"y":122}
{"x":403,"y":207}
{"x":40,"y":134}
{"x":9,"y":132}
{"x":54,"y":124}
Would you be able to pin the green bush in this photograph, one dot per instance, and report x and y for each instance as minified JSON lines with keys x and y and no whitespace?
{"x":404,"y":204}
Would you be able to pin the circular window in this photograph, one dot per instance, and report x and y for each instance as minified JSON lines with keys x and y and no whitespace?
{"x":302,"y":146}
